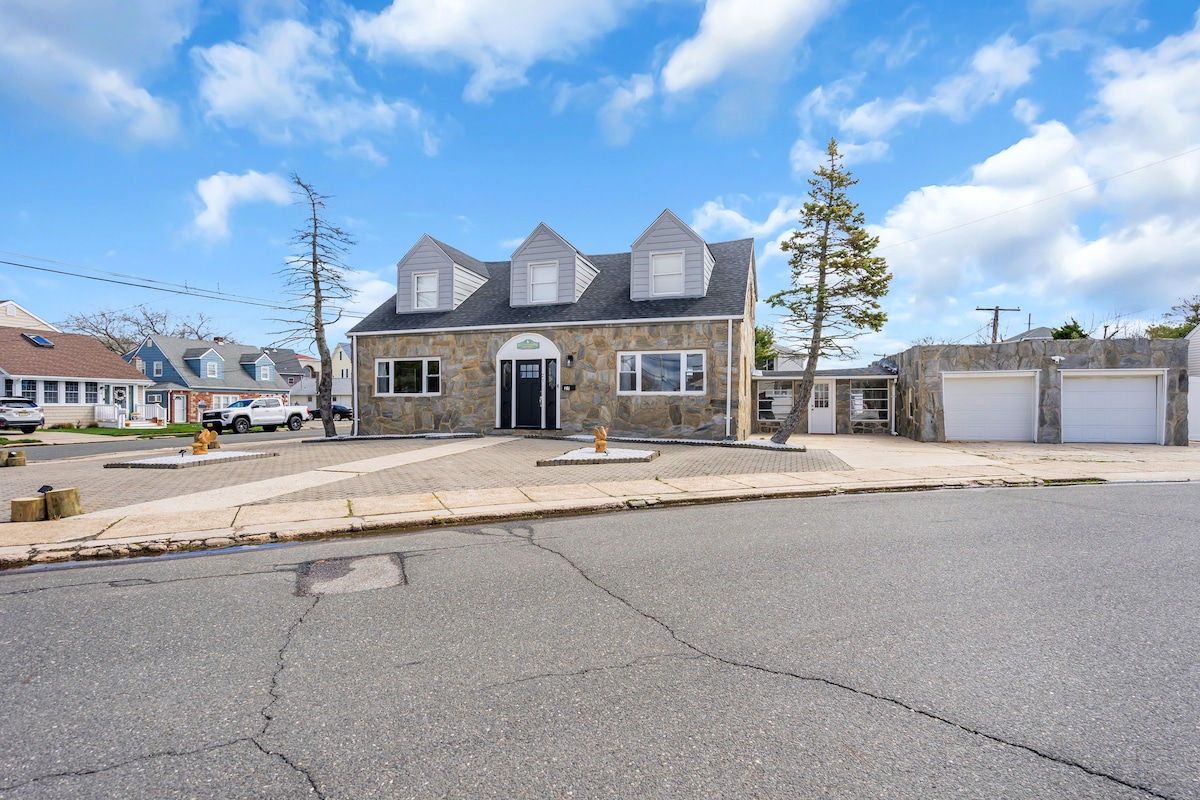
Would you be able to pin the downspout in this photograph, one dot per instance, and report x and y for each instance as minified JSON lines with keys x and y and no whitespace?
{"x":728,"y":377}
{"x":353,"y":383}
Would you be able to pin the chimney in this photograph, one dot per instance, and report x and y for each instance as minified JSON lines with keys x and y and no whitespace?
{"x":139,"y":364}
{"x":218,"y":340}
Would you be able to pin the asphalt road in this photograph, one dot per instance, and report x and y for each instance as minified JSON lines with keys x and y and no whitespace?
{"x":128,"y":444}
{"x":1007,"y":643}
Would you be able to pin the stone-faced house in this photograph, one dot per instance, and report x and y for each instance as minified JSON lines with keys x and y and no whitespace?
{"x":845,"y":400}
{"x":657,"y":340}
{"x":1045,"y":390}
{"x":187,"y":372}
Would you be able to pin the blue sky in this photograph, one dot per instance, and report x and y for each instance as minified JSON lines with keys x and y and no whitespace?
{"x":1043,"y":155}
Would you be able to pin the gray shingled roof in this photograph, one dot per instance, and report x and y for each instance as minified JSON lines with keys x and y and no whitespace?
{"x":607,"y":298}
{"x":462,"y":259}
{"x":236,"y":378}
{"x":874,"y":370}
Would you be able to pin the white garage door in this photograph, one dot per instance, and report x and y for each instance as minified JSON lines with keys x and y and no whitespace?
{"x":992,"y":408}
{"x":1110,"y":408}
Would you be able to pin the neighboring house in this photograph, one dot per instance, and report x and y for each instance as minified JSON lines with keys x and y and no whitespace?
{"x":287,"y":364}
{"x":71,"y":375}
{"x":1033,"y":333}
{"x":304,"y":393}
{"x":657,"y":340}
{"x":187,"y":372}
{"x":310,"y":367}
{"x":1045,"y":390}
{"x":13,"y":315}
{"x":1193,"y":371}
{"x":845,"y":400}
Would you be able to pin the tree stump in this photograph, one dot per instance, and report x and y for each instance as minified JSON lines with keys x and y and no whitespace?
{"x":28,"y":509}
{"x":63,"y":503}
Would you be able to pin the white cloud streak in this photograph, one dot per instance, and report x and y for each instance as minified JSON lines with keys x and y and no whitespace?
{"x":221,"y":192}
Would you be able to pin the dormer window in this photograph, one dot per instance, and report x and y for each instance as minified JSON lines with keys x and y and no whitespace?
{"x":211,"y":369}
{"x":543,"y":282}
{"x":264,"y":372}
{"x":666,"y":273}
{"x":425,"y":290}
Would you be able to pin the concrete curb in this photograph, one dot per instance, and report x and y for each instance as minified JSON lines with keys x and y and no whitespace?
{"x":93,"y":548}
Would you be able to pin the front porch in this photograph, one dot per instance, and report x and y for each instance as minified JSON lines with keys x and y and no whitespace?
{"x":143,"y":416}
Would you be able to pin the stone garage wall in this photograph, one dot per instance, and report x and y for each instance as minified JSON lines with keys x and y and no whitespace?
{"x":468,"y":368}
{"x":920,"y":413}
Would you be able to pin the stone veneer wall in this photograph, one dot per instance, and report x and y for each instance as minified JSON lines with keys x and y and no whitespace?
{"x":842,"y":422}
{"x":467,"y":402}
{"x":920,"y":414}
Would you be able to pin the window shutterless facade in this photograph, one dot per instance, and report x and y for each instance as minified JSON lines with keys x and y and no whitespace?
{"x":425,"y":290}
{"x":158,"y":369}
{"x":869,"y":400}
{"x":411,"y":376}
{"x":50,"y":391}
{"x":661,"y":373}
{"x":71,"y":392}
{"x":29,"y":390}
{"x":666,"y":273}
{"x":211,"y":369}
{"x":543,"y":282}
{"x":91,"y":393}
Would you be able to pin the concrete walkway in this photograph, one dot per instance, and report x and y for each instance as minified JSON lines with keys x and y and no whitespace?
{"x":338,"y":488}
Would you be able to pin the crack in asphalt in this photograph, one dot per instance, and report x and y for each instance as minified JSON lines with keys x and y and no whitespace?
{"x":275,"y":697}
{"x":528,"y":538}
{"x":79,"y":773}
{"x":637,"y":662}
{"x":128,"y":583}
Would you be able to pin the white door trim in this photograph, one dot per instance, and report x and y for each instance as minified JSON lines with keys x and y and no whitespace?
{"x":832,"y":383}
{"x":1036,"y":374}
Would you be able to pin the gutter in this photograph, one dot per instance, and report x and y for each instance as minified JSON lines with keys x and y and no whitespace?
{"x":729,"y":374}
{"x":353,"y":383}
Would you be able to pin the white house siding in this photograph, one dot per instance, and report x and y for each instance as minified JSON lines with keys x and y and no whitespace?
{"x":585,"y":273}
{"x":465,"y":284}
{"x":425,"y":256}
{"x":13,"y":316}
{"x":1194,"y":384}
{"x":544,"y":245}
{"x":709,"y":263}
{"x":668,"y":234}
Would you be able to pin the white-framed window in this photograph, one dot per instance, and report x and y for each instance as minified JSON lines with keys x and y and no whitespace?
{"x":91,"y":393}
{"x":543,"y":282}
{"x":869,"y":400}
{"x":264,"y":372}
{"x":49,"y":391}
{"x":210,"y":369}
{"x":408,"y":376}
{"x":223,"y":401}
{"x":158,"y":369}
{"x":425,"y":290}
{"x":661,"y":373}
{"x":71,"y":392}
{"x":774,"y":399}
{"x":820,"y":395}
{"x":666,"y":273}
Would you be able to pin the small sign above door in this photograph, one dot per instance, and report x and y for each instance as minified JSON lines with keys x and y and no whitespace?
{"x":529,"y":344}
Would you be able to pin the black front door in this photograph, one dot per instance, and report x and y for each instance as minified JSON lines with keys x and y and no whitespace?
{"x":529,"y":394}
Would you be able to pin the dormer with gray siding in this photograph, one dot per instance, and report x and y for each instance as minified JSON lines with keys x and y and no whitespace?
{"x":259,"y":366}
{"x":669,"y":260}
{"x":547,"y":269}
{"x":206,"y":362}
{"x":434,"y":276}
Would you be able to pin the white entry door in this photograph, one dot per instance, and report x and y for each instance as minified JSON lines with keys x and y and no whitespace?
{"x":1110,"y":408}
{"x":820,"y":409}
{"x":180,"y":413}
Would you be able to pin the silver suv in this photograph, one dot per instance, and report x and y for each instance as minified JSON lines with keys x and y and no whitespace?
{"x":17,"y":412}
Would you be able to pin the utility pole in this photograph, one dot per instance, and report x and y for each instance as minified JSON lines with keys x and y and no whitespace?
{"x":996,"y":319}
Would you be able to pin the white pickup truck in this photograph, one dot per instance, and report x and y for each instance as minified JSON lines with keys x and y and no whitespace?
{"x":268,"y":412}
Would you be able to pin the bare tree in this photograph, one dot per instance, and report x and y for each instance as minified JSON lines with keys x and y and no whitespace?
{"x":120,"y":330}
{"x":836,"y":281}
{"x":314,"y":276}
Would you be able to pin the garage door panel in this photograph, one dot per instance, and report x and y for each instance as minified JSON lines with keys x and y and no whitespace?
{"x":1110,"y":408}
{"x":989,"y":408}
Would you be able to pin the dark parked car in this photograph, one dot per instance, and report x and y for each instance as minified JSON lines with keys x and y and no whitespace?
{"x":338,"y":410}
{"x":17,"y":412}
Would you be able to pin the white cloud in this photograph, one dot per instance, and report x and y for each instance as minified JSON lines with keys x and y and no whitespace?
{"x":715,"y":221}
{"x":500,"y":41}
{"x":85,"y":61}
{"x":624,"y":107}
{"x":1124,"y":244}
{"x":286,"y":83}
{"x":995,"y":70}
{"x":221,"y":192}
{"x":741,"y":37}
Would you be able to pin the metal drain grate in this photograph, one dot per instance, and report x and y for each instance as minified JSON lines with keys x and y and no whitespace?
{"x":350,"y":574}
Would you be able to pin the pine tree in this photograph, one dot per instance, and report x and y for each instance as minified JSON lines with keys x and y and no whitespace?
{"x":836,"y":282}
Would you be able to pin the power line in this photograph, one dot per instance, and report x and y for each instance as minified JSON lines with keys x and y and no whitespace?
{"x":170,"y":288}
{"x":1042,"y":200}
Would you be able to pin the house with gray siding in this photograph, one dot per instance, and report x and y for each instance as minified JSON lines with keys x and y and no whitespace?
{"x":655,"y":340}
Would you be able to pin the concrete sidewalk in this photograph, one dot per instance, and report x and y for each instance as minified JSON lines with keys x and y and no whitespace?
{"x":329,"y":488}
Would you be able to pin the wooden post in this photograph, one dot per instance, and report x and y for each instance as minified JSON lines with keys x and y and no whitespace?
{"x":63,"y":503}
{"x":28,"y":509}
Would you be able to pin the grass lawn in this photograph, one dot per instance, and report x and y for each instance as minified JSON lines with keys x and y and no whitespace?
{"x":145,"y":433}
{"x":4,"y":441}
